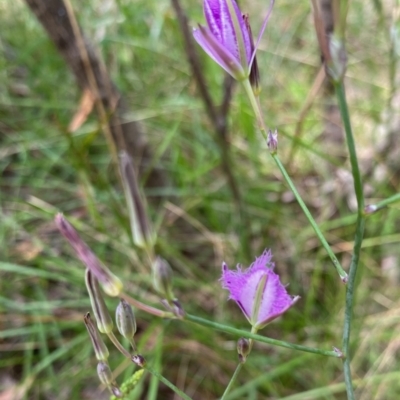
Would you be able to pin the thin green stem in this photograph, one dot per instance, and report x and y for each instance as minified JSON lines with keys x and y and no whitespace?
{"x":344,"y":112}
{"x":145,"y":307}
{"x":167,"y":383}
{"x":359,"y":235}
{"x":256,"y":107}
{"x":118,"y":345}
{"x":350,"y":292}
{"x":242,"y":333}
{"x":239,"y":367}
{"x":232,"y":381}
{"x":229,"y":329}
{"x":370,"y":209}
{"x":321,"y":237}
{"x":261,"y":125}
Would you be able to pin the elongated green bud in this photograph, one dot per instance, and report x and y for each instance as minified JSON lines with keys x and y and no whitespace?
{"x":103,"y":318}
{"x":111,"y":284}
{"x":162,"y":278}
{"x":142,"y":233}
{"x":125,"y":320}
{"x":99,"y":346}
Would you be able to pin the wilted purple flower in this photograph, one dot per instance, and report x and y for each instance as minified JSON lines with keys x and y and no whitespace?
{"x":258,"y":291}
{"x":227,"y":38}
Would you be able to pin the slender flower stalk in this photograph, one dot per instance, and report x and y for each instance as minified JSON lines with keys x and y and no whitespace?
{"x":232,"y":381}
{"x":100,"y":311}
{"x":272,"y":142}
{"x":228,"y":329}
{"x":244,"y":347}
{"x":259,"y":338}
{"x":224,"y":40}
{"x":146,"y":308}
{"x":336,"y":263}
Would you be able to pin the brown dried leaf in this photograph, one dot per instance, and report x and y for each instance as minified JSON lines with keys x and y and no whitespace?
{"x":85,"y":108}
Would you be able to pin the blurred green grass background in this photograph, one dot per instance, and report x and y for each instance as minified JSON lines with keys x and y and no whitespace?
{"x":43,"y":169}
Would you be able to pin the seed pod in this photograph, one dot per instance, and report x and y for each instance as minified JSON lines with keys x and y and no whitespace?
{"x":162,"y":278}
{"x":99,"y":346}
{"x":103,"y":318}
{"x":104,"y":373}
{"x":125,"y":320}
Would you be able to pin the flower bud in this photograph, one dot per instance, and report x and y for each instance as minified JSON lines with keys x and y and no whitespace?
{"x":116,"y":392}
{"x":339,"y":58}
{"x":111,"y":284}
{"x":103,"y":318}
{"x":99,"y":346}
{"x":178,"y":309}
{"x":162,"y":278}
{"x":125,"y":320}
{"x":104,"y":373}
{"x":338,"y":352}
{"x":243,"y":349}
{"x":142,"y":233}
{"x":331,"y":44}
{"x":370,"y":209}
{"x":138,"y":360}
{"x":254,"y":76}
{"x":272,"y":141}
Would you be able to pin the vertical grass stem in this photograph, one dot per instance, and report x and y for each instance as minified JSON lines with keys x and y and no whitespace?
{"x":360,"y":226}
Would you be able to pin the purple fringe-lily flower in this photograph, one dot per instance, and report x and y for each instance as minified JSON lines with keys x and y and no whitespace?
{"x":227,"y":38}
{"x":258,"y":291}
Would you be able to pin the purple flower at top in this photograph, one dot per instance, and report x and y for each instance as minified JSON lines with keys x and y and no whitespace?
{"x":227,"y":39}
{"x":258,"y":291}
